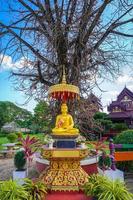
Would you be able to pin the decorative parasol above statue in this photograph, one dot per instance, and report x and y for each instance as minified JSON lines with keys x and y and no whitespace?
{"x":63,"y":92}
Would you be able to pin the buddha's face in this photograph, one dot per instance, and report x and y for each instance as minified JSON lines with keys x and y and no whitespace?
{"x":64,"y":109}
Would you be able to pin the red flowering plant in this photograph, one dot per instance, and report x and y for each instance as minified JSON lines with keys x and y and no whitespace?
{"x":30,"y":146}
{"x":98,"y":146}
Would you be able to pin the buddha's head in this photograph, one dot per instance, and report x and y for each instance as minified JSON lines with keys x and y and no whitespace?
{"x":64,"y":108}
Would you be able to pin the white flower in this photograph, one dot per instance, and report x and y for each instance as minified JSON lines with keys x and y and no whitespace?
{"x":48,"y":139}
{"x":80,"y":139}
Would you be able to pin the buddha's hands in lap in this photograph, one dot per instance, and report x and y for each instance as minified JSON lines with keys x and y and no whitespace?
{"x":69,"y":128}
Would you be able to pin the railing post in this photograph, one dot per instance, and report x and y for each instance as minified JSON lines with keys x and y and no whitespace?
{"x":112,"y":151}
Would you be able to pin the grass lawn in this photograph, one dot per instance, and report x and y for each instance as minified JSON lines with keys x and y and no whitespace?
{"x":3,"y":140}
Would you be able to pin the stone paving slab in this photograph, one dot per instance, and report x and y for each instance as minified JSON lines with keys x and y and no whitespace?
{"x":129,"y":183}
{"x":7,"y":167}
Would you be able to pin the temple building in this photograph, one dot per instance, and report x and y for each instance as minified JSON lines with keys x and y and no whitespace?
{"x":121,"y":110}
{"x":95,"y":102}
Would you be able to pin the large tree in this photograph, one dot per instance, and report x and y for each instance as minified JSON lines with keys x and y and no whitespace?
{"x":9,"y":112}
{"x":42,"y":118}
{"x":89,"y":37}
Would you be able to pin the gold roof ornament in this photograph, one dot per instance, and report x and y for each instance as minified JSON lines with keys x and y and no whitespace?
{"x":64,"y":76}
{"x":64,"y":91}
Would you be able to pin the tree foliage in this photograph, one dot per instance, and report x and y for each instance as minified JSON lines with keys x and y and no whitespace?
{"x":103,"y":121}
{"x":39,"y":121}
{"x":10,"y":112}
{"x":119,"y":126}
{"x":42,"y":118}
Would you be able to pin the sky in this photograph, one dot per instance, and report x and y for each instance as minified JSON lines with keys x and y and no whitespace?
{"x":8,"y":92}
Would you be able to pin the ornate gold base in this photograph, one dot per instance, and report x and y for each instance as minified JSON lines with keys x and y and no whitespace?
{"x":64,"y":175}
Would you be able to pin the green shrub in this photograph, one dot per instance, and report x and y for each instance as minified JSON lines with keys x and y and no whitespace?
{"x":3,"y":134}
{"x":12,"y":137}
{"x":105,"y":189}
{"x":36,"y":189}
{"x":20,"y":160}
{"x":93,"y":186}
{"x":125,"y":137}
{"x":119,"y":126}
{"x":11,"y":190}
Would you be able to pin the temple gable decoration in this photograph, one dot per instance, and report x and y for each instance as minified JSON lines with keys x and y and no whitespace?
{"x":125,"y":95}
{"x":121,"y":110}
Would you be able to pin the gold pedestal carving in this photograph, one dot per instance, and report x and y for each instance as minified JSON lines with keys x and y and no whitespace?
{"x":64,"y":175}
{"x":64,"y":172}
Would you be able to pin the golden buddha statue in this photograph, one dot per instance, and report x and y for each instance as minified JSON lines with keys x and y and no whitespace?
{"x":64,"y":123}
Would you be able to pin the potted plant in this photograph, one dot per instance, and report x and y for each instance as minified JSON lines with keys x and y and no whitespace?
{"x":11,"y":190}
{"x":36,"y":189}
{"x":98,"y":146}
{"x":19,"y":162}
{"x":81,"y":141}
{"x":104,"y":162}
{"x":102,"y":188}
{"x":30,"y":146}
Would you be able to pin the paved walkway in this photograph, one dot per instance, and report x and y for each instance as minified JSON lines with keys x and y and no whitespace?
{"x":129,"y":181}
{"x":7,"y":167}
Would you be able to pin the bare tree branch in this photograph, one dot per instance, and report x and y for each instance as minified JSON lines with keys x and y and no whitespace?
{"x":88,"y":37}
{"x":122,"y":34}
{"x":27,"y":45}
{"x":96,"y":19}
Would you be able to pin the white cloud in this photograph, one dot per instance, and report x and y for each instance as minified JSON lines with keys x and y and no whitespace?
{"x":130,"y":87}
{"x":112,"y":93}
{"x":124,"y":79}
{"x":108,"y":97}
{"x":8,"y":64}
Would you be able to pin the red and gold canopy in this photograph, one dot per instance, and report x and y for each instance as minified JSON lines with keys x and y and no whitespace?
{"x":63,"y":91}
